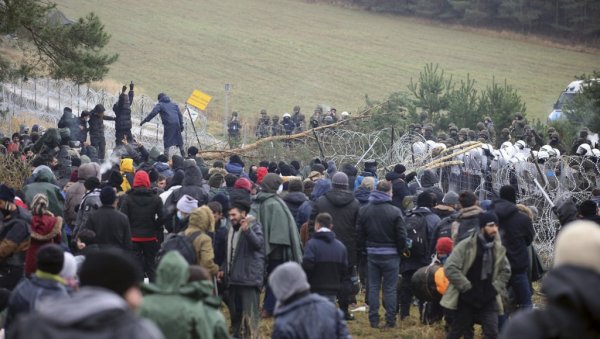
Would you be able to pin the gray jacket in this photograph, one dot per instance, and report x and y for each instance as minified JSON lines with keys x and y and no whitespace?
{"x":248,"y":261}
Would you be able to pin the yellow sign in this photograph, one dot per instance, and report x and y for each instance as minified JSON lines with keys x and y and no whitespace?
{"x":199,"y":100}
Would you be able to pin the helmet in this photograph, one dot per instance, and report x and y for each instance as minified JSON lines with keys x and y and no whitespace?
{"x":287,"y":115}
{"x":557,"y":152}
{"x":463,"y":131}
{"x":235,"y":114}
{"x":431,"y":144}
{"x":275,"y":118}
{"x":547,"y":148}
{"x":543,"y":155}
{"x":584,"y":149}
{"x":520,"y":144}
{"x":332,"y":109}
{"x":480,"y":126}
{"x":263,"y":111}
{"x":506,"y":144}
{"x":345,"y":114}
{"x":296,"y":108}
{"x":328,"y":119}
{"x":596,"y":152}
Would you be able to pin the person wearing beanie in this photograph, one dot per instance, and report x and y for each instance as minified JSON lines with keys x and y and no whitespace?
{"x":244,"y":269}
{"x":295,"y":198}
{"x":185,"y":206}
{"x":588,"y":210}
{"x":421,"y":223}
{"x":448,"y":206}
{"x":144,"y":210}
{"x":517,"y":235}
{"x":443,"y":248}
{"x":571,"y":299}
{"x":45,"y":283}
{"x":14,"y":238}
{"x":110,"y":225}
{"x":343,"y":208}
{"x":200,"y":223}
{"x":478,"y":271}
{"x":261,"y":172}
{"x":45,"y":229}
{"x":299,"y":313}
{"x":467,"y":220}
{"x":104,"y":305}
{"x":282,"y":241}
{"x":215,"y":182}
{"x":74,"y":194}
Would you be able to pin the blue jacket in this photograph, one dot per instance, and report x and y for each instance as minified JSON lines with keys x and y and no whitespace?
{"x":309,"y":317}
{"x":325,"y":263}
{"x":171,"y":117}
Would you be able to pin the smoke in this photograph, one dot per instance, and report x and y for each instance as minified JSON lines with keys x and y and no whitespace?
{"x":112,"y":160}
{"x":593,"y":138}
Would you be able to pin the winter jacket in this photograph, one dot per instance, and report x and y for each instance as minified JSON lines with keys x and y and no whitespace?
{"x":325,"y":263}
{"x":516,"y":232}
{"x":443,"y":229}
{"x":45,"y":229}
{"x":443,"y":211}
{"x":96,"y":128}
{"x":203,"y":243}
{"x":43,"y":184}
{"x":380,"y":226}
{"x":235,"y":169}
{"x":344,"y":209}
{"x":92,"y":313}
{"x":144,"y":210}
{"x":74,"y":194}
{"x":281,"y":236}
{"x":71,"y":122}
{"x":14,"y":238}
{"x":460,"y":261}
{"x":247,"y":267}
{"x":572,"y":308}
{"x":362,"y":195}
{"x":180,"y":309}
{"x":431,"y":220}
{"x":467,"y":222}
{"x":163,"y":169}
{"x":122,"y":109}
{"x":294,"y":200}
{"x":29,"y":292}
{"x":111,"y":228}
{"x":192,"y":186}
{"x":172,"y":120}
{"x":309,"y":317}
{"x":82,"y":130}
{"x":399,"y":188}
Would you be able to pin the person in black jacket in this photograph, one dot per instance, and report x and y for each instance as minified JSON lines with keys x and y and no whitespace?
{"x":69,"y":121}
{"x":14,"y":238}
{"x":399,"y":186}
{"x":382,"y":234}
{"x":96,"y":129}
{"x":516,"y":232}
{"x":110,"y":225}
{"x":122,"y":109}
{"x":144,"y":210}
{"x":325,"y":259}
{"x":82,"y":133}
{"x":295,"y":198}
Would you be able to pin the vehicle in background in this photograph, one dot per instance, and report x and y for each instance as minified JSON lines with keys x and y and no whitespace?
{"x":574,"y":88}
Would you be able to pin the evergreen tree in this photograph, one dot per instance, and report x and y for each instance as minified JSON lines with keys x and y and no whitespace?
{"x":431,"y":91}
{"x":463,"y":105}
{"x":500,"y":102}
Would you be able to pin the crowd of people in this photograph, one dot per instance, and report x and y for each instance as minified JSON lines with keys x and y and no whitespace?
{"x":150,"y":244}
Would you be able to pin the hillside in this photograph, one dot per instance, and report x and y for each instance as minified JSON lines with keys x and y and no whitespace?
{"x":279,"y":53}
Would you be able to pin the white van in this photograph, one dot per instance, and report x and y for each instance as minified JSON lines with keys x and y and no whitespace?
{"x":566,"y":96}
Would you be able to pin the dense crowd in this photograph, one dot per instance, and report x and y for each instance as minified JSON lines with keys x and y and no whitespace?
{"x":150,"y":244}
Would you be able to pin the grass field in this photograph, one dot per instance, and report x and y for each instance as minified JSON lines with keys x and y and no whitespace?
{"x":279,"y":53}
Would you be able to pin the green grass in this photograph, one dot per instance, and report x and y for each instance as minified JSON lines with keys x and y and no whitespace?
{"x":279,"y":53}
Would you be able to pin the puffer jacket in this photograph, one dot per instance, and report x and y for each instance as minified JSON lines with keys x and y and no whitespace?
{"x":43,"y":184}
{"x":380,"y":225}
{"x":202,"y":220}
{"x":325,"y":263}
{"x":247,"y":267}
{"x":517,"y":234}
{"x":144,"y":210}
{"x":122,"y":109}
{"x":96,"y":128}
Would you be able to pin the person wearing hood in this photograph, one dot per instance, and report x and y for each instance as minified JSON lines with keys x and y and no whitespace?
{"x":144,"y":211}
{"x":96,"y":129}
{"x":127,"y":171}
{"x":362,"y":192}
{"x":572,"y":306}
{"x":517,"y":234}
{"x":69,"y":121}
{"x":343,"y":208}
{"x":43,"y":184}
{"x":351,"y":172}
{"x":381,"y":234}
{"x":235,"y":166}
{"x":45,"y":229}
{"x":172,"y":120}
{"x":44,"y":284}
{"x":299,"y":313}
{"x":190,"y":185}
{"x":321,"y":187}
{"x":282,"y":241}
{"x":14,"y":238}
{"x":182,"y":309}
{"x":122,"y":109}
{"x":244,"y":269}
{"x":202,"y":222}
{"x":399,"y":187}
{"x":588,"y":210}
{"x":162,"y":166}
{"x":74,"y":194}
{"x":104,"y":306}
{"x":295,"y":198}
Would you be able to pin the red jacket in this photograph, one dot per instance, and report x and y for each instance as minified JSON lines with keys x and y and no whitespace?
{"x":45,"y":229}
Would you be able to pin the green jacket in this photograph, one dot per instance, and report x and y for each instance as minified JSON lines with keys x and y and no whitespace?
{"x":279,"y":227}
{"x":180,"y":309}
{"x":460,"y":260}
{"x":43,"y":184}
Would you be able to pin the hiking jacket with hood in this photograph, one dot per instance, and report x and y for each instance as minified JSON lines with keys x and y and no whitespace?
{"x":201,"y":220}
{"x":294,"y":200}
{"x":43,"y":184}
{"x":517,"y":234}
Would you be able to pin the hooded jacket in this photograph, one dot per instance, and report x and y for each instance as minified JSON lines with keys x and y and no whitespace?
{"x":93,"y":313}
{"x":111,"y":227}
{"x":572,"y":308}
{"x":180,"y":309}
{"x":192,"y":186}
{"x":74,"y":194}
{"x":294,"y":200}
{"x":325,"y":263}
{"x":171,"y":117}
{"x":380,"y":226}
{"x":144,"y":209}
{"x":516,"y":232}
{"x":202,"y":220}
{"x":344,"y":209}
{"x":399,"y":188}
{"x":45,"y":229}
{"x":14,"y":238}
{"x":43,"y":184}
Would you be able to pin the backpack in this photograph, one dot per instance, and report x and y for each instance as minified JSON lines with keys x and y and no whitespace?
{"x":89,"y":203}
{"x":182,"y":244}
{"x":416,"y":235}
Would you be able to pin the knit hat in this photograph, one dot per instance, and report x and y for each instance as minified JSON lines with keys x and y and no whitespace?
{"x":271,"y":183}
{"x":425,"y":199}
{"x":141,"y":179}
{"x":244,"y":184}
{"x":588,"y":208}
{"x":202,"y":218}
{"x":578,"y":244}
{"x":216,"y":180}
{"x":319,"y":168}
{"x":50,"y":258}
{"x":6,"y":193}
{"x":399,"y":169}
{"x":108,"y":195}
{"x":39,"y":204}
{"x":112,"y":269}
{"x":443,"y":246}
{"x":509,"y":193}
{"x":450,"y":198}
{"x":285,"y":170}
{"x":287,"y":280}
{"x":260,"y":174}
{"x":69,"y":269}
{"x":295,"y":185}
{"x":331,"y":168}
{"x":187,"y":204}
{"x":339,"y":180}
{"x":486,"y":218}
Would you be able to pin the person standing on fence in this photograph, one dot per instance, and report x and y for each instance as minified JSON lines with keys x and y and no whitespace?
{"x":96,"y":129}
{"x":122,"y":111}
{"x":172,"y":121}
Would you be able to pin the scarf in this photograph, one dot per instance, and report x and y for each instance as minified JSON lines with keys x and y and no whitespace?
{"x":487,"y":265}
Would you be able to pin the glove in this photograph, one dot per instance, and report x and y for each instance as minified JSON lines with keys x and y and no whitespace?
{"x":131,"y":86}
{"x":124,"y":89}
{"x":410,"y":176}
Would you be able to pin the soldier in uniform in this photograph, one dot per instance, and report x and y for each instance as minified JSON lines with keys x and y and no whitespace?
{"x":298,"y":119}
{"x":453,"y":132}
{"x":504,"y":137}
{"x":262,"y":127}
{"x":276,"y":128}
{"x":555,"y":142}
{"x":316,"y":118}
{"x":489,"y":125}
{"x":233,"y":130}
{"x":333,"y":115}
{"x":429,"y":132}
{"x":463,"y":135}
{"x":518,"y":127}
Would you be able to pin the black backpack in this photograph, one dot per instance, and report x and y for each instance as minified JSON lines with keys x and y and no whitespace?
{"x":416,"y":231}
{"x":181,"y":243}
